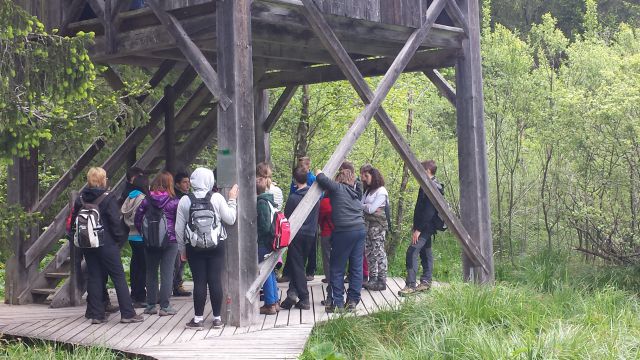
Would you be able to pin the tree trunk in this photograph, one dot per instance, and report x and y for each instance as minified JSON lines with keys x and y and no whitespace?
{"x":301,"y":146}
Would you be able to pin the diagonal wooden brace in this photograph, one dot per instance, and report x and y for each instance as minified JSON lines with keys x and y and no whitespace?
{"x":442,"y":85}
{"x":331,"y":42}
{"x":192,"y":53}
{"x":357,"y":128}
{"x":279,"y":107}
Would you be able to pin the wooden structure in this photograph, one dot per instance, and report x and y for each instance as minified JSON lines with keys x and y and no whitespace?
{"x":281,"y":336}
{"x":232,"y":52}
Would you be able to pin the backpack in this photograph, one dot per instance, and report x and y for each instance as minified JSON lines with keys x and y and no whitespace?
{"x":155,"y":229}
{"x":89,"y":230}
{"x":438,"y":223}
{"x":387,"y":214}
{"x":203,"y":229}
{"x":129,"y":208}
{"x":281,"y":228}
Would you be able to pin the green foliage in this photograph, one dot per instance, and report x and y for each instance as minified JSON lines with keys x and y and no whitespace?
{"x":19,"y":349}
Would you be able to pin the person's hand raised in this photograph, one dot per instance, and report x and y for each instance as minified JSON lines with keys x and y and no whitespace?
{"x":233,"y":193}
{"x":318,"y":171}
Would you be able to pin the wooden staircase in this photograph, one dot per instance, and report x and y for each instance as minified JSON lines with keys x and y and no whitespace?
{"x":195,"y":126}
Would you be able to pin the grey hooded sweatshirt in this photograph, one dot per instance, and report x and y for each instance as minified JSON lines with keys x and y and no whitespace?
{"x":345,"y":204}
{"x":202,"y":181}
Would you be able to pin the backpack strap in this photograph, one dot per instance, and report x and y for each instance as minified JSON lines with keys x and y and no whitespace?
{"x":208,"y":196}
{"x":192,"y":198}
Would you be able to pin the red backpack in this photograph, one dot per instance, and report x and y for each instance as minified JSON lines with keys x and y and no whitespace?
{"x":281,"y":229}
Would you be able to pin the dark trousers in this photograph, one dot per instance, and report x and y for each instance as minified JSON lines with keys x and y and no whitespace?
{"x":296,"y":258}
{"x":138,"y":272}
{"x":100,"y":260}
{"x":164,"y":259}
{"x":206,"y":269}
{"x":346,"y":246}
{"x":422,"y":249}
{"x":178,"y":273}
{"x":309,"y":258}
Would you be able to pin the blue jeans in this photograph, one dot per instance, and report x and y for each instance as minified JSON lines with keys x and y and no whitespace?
{"x":346,"y":246}
{"x":270,"y":287}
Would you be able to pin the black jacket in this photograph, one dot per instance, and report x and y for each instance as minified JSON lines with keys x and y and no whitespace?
{"x":115,"y":230}
{"x":310,"y":226}
{"x":345,"y":203}
{"x":424,"y":212}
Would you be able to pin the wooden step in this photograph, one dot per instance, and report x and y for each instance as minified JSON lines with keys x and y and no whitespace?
{"x":44,"y":291}
{"x":57,"y":275}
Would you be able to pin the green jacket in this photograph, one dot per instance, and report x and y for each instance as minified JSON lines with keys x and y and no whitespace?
{"x":265,"y":220}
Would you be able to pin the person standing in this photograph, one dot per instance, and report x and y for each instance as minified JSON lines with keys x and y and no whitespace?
{"x":264,"y":170}
{"x":162,"y":197}
{"x":347,"y":239}
{"x":182,"y":188}
{"x":421,"y":238}
{"x":104,"y":258}
{"x":298,"y":293}
{"x":374,"y":201}
{"x":265,"y":204}
{"x":206,"y":262}
{"x":326,"y":227}
{"x":137,"y":267}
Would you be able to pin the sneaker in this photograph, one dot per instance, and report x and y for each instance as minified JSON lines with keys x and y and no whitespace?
{"x":217,"y":324}
{"x":332,"y":309}
{"x":423,"y":286}
{"x":408,"y":290}
{"x":99,"y":321}
{"x":193,"y":325}
{"x":303,"y":305}
{"x":287,"y":304}
{"x":350,"y":306}
{"x":283,"y":279}
{"x":140,"y":304}
{"x":180,"y":291}
{"x":150,"y":310}
{"x":377,"y":286}
{"x":111,"y":308}
{"x":268,"y":310}
{"x":134,"y":319}
{"x":167,"y":311}
{"x":310,"y":277}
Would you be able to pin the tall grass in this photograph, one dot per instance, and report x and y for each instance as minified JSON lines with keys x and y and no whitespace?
{"x":47,"y":351}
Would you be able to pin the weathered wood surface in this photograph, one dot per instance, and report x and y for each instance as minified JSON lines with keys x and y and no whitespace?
{"x":278,"y":108}
{"x":281,"y":336}
{"x":442,"y":85}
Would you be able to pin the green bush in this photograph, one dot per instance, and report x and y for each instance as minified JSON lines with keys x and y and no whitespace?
{"x":22,"y":350}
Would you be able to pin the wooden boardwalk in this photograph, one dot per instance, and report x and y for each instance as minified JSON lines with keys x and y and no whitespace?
{"x":281,"y":336}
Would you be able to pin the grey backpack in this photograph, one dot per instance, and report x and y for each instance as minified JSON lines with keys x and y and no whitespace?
{"x":203,"y":229}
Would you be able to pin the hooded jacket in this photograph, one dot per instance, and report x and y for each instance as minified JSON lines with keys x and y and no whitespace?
{"x":425,"y":212}
{"x":324,"y":217}
{"x":265,"y":219}
{"x":203,"y":181}
{"x":310,"y":225}
{"x":128,"y":209}
{"x":114,"y":228}
{"x":345,"y":204}
{"x":169,"y":206}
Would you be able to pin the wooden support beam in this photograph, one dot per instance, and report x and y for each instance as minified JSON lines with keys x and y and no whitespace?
{"x":191,"y":52}
{"x":71,"y":13}
{"x":169,"y":129}
{"x":98,"y":8}
{"x":314,"y":15}
{"x":472,"y":153}
{"x":457,"y":16}
{"x":56,"y":229}
{"x":442,"y":85}
{"x":261,"y":113}
{"x":279,"y":107}
{"x":236,"y":137}
{"x":110,"y":31}
{"x":369,"y":67}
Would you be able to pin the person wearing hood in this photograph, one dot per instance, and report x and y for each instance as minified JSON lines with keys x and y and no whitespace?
{"x":182,"y":188}
{"x":423,"y":231}
{"x":298,"y":293}
{"x":162,"y":196}
{"x":105,"y":258}
{"x":138,"y":265}
{"x":347,"y":239}
{"x":206,"y":264}
{"x":265,"y":203}
{"x":132,"y":173}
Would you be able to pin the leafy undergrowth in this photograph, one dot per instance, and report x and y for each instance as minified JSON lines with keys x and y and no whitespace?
{"x":502,"y":322}
{"x":18,"y":349}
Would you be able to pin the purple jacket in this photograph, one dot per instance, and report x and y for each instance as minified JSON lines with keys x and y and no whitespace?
{"x":168,"y":204}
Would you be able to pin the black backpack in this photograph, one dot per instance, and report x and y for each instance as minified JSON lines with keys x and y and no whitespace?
{"x":89,"y":231}
{"x":438,"y":223}
{"x":155,"y":229}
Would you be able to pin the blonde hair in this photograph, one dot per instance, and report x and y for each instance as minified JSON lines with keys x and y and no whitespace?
{"x":262,"y":184}
{"x":346,"y":176}
{"x":97,"y":178}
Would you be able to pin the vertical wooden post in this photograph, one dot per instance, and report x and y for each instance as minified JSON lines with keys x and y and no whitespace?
{"x":261,"y":105}
{"x":169,"y":129}
{"x":22,"y":190}
{"x":236,"y":137}
{"x":472,"y":153}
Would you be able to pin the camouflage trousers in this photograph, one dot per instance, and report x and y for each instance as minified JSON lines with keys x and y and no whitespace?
{"x":374,"y":250}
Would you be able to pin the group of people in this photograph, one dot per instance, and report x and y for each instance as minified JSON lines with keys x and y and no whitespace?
{"x":352,"y":219}
{"x":174,"y":220}
{"x":166,"y":210}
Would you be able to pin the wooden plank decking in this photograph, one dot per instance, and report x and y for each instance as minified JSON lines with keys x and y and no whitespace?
{"x":281,"y":336}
